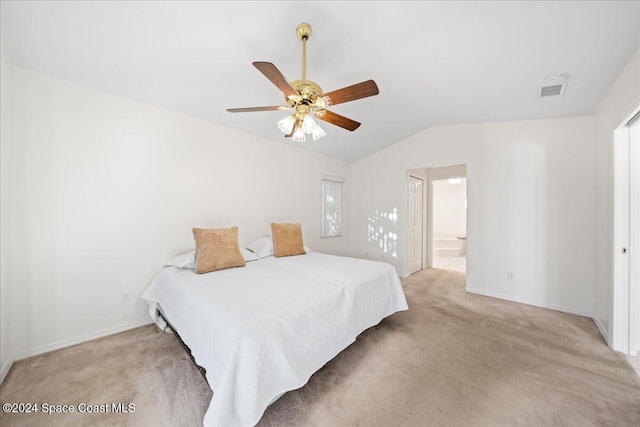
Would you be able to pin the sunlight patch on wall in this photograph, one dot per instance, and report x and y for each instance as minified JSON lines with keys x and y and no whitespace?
{"x":379,"y":231}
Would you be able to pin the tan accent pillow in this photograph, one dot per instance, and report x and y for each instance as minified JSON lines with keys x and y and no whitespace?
{"x":217,"y":249}
{"x":287,"y":239}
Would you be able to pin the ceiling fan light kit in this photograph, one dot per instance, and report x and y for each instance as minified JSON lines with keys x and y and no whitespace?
{"x":307,"y":99}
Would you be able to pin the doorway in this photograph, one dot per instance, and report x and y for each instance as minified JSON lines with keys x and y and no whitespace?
{"x":449,"y":223}
{"x":450,"y":240}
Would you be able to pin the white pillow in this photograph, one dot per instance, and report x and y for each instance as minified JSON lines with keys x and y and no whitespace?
{"x":188,"y":259}
{"x":248,"y":255}
{"x":262,"y":247}
{"x":185,"y":260}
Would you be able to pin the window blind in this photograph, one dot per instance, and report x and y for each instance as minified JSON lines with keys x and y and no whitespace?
{"x":331,"y":206}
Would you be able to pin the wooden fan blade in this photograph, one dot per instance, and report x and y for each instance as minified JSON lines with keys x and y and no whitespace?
{"x":351,"y":93}
{"x":338,"y":120}
{"x":249,"y":109}
{"x":272,"y":73}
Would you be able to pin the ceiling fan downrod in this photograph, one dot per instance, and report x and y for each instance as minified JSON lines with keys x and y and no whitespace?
{"x":303,"y":31}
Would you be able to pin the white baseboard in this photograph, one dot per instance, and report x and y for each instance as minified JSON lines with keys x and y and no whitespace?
{"x":78,"y":340}
{"x":5,"y":369}
{"x":557,"y":307}
{"x":602,"y":329}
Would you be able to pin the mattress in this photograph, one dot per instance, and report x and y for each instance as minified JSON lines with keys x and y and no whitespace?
{"x":264,"y":329}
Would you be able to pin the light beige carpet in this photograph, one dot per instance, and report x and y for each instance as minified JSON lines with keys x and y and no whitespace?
{"x":453,"y":359}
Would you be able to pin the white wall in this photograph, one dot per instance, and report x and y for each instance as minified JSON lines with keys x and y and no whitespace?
{"x":530,"y":205}
{"x":106,"y":189}
{"x":5,"y":210}
{"x":621,"y":98}
{"x":449,"y":213}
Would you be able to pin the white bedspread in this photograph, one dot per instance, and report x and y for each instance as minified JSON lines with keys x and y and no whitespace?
{"x":264,"y":329}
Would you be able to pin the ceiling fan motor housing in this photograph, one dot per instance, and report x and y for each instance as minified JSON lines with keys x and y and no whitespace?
{"x":307,"y":89}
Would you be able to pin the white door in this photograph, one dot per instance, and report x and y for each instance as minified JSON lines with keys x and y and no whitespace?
{"x":626,"y":289}
{"x":634,"y":237}
{"x":415,"y":224}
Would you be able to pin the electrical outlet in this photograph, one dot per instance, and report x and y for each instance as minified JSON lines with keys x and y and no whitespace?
{"x":124,"y":297}
{"x":366,"y":254}
{"x":509,"y":275}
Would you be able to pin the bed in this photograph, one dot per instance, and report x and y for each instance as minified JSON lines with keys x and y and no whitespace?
{"x":264,"y":329}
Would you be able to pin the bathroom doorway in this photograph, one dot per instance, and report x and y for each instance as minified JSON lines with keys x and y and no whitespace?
{"x":449,"y":223}
{"x":439,"y":196}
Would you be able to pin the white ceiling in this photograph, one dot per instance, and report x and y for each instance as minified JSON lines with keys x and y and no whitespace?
{"x":435,"y":62}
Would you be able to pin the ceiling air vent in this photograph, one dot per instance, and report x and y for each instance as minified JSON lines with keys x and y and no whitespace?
{"x":553,"y":86}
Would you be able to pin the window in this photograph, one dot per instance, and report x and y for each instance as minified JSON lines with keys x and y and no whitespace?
{"x":331,"y":206}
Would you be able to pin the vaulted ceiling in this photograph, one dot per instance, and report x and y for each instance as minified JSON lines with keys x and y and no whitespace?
{"x":435,"y":63}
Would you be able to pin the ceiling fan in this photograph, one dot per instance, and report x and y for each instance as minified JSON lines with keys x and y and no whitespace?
{"x":307,"y":99}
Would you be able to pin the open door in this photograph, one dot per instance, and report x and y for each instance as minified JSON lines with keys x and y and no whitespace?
{"x":416,"y":228}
